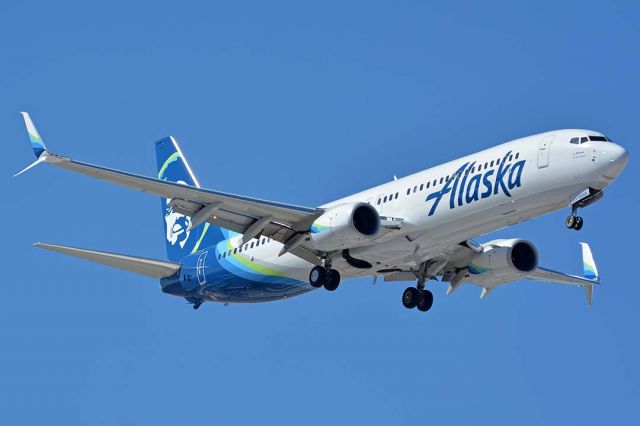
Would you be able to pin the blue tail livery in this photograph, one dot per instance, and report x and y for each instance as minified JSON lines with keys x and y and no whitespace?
{"x":180,"y":237}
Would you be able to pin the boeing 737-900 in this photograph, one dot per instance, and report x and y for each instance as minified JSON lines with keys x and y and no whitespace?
{"x":230,"y":248}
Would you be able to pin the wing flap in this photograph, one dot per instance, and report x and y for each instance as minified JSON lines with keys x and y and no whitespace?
{"x":149,"y":267}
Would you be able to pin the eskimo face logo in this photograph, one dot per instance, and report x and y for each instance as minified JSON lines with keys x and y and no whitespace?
{"x":466,"y":189}
{"x":176,"y":225}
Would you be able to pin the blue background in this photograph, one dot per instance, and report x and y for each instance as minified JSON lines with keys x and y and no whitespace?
{"x":305,"y":103}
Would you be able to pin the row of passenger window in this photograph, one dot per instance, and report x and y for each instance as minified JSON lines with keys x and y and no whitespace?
{"x":245,"y":247}
{"x":443,"y":179}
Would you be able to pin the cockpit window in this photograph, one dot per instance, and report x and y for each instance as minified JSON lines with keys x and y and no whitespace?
{"x":584,"y":139}
{"x":575,"y":140}
{"x":597,"y":139}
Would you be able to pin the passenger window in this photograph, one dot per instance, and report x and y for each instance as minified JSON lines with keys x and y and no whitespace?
{"x":428,"y":184}
{"x":379,"y":201}
{"x":251,"y":245}
{"x":491,"y":163}
{"x":415,"y":188}
{"x":511,"y":158}
{"x":517,"y":155}
{"x":441,"y":179}
{"x":486,"y":166}
{"x":575,"y":140}
{"x":224,"y":254}
{"x":397,"y":195}
{"x":447,"y":178}
{"x":408,"y":191}
{"x":219,"y":256}
{"x":421,"y":186}
{"x":385,"y":199}
{"x":235,"y":250}
{"x":498,"y":161}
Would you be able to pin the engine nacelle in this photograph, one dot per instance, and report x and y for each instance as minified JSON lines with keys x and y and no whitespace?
{"x":505,"y":256}
{"x":344,"y":226}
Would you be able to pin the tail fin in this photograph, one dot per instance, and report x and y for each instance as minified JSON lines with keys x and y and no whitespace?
{"x":181,"y":239}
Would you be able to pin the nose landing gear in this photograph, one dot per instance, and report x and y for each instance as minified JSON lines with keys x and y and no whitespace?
{"x":324,"y":276}
{"x":574,"y":222}
{"x":583,"y":199}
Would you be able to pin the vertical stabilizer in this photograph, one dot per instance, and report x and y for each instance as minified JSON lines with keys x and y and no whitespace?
{"x":181,"y":238}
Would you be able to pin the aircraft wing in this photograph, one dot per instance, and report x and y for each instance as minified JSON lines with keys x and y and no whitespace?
{"x":246,"y":215}
{"x":456,"y":260}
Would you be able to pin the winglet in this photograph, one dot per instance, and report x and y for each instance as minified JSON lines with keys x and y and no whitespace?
{"x":590,"y":269}
{"x":36,"y":141}
{"x":39,"y":149}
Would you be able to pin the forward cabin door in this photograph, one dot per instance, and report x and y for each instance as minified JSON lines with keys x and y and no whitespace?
{"x":543,"y":151}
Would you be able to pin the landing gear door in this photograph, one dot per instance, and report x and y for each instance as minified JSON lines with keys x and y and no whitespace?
{"x":543,"y":151}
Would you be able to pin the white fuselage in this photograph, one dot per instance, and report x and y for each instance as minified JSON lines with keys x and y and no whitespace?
{"x":548,"y":171}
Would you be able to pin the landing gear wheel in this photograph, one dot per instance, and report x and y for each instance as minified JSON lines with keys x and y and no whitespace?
{"x":332,"y":281}
{"x":317,"y":276}
{"x":426,"y":301}
{"x":411,"y":297}
{"x":578,"y":223}
{"x":571,"y":221}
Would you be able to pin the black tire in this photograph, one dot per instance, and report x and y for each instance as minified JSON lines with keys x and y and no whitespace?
{"x":578,"y":224}
{"x":571,"y":222}
{"x":411,"y":297}
{"x":426,"y":301}
{"x":333,"y":280}
{"x":317,"y":276}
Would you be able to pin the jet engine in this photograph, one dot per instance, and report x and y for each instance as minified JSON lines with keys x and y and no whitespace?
{"x":344,"y":226}
{"x":505,"y":256}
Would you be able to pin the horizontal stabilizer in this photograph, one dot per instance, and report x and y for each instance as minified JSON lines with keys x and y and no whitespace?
{"x":139,"y":265}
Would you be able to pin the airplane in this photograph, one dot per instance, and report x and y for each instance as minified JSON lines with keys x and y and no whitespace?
{"x":230,"y":248}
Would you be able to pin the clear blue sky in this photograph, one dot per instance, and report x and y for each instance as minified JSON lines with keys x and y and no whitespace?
{"x":305,"y":104}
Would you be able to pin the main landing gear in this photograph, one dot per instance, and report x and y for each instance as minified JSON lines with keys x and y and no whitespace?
{"x":324,"y":276}
{"x":574,"y":221}
{"x":417,"y":298}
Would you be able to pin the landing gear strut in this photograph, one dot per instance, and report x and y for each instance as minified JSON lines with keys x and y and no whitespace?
{"x":324,"y":276}
{"x":574,"y":221}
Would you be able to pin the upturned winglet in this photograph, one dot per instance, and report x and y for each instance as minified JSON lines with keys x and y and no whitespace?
{"x":39,"y":148}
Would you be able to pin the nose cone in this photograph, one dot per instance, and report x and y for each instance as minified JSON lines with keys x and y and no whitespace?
{"x":617,"y":158}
